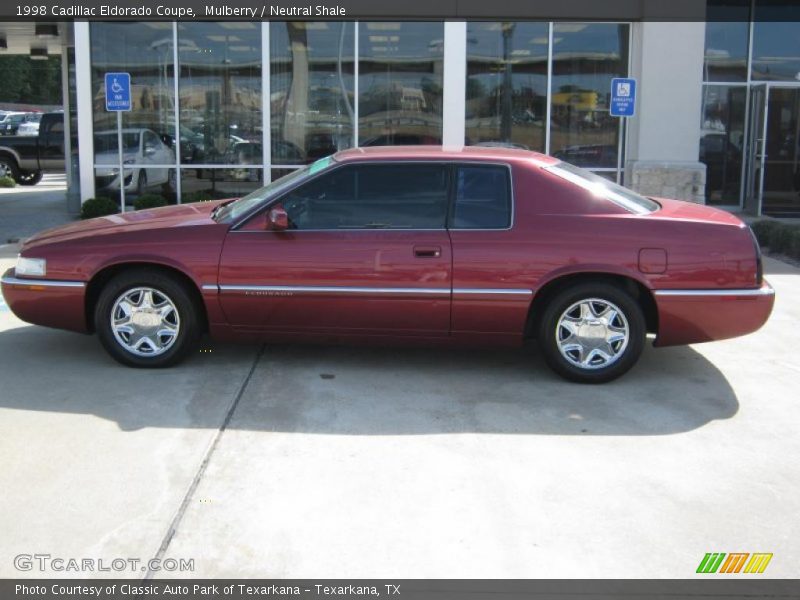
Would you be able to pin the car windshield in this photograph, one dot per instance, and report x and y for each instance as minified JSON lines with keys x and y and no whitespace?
{"x":603,"y":188}
{"x":240,"y":207}
{"x":107,"y":142}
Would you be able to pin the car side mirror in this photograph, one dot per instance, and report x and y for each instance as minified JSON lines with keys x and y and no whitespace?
{"x":278,"y":219}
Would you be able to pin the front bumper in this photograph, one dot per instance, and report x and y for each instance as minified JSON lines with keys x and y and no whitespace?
{"x":108,"y":179}
{"x":46,"y":302}
{"x":693,"y":316}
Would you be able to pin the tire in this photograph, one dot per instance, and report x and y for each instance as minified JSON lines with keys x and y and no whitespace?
{"x":181,"y":316}
{"x":141,"y":182}
{"x":9,"y":168}
{"x":597,"y":354}
{"x":171,"y":185}
{"x":29,"y":177}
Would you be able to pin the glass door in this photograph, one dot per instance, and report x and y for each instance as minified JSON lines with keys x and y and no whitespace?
{"x":756,"y":121}
{"x":780,"y":188}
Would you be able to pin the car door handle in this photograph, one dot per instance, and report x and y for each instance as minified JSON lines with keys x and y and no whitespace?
{"x":427,"y":251}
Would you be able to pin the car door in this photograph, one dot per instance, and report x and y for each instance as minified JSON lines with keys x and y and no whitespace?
{"x":491,"y":292}
{"x":51,"y":144}
{"x":366,"y":252}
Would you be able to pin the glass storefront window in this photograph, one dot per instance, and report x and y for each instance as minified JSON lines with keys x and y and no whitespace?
{"x":220,"y":93}
{"x":400,"y":83}
{"x":776,"y":50}
{"x":506,"y":96}
{"x":311,"y":85}
{"x":198,"y":185}
{"x":722,"y":140}
{"x":727,"y":33}
{"x":145,"y":51}
{"x":586,"y":57}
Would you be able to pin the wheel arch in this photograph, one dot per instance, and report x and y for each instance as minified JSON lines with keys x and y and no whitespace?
{"x":104,"y":275}
{"x":638,"y":290}
{"x":10,"y":153}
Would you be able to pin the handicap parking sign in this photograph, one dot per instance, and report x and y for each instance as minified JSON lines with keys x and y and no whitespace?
{"x":118,"y":92}
{"x":623,"y":97}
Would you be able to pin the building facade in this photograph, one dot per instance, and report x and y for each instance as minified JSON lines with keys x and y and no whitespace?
{"x":220,"y":108}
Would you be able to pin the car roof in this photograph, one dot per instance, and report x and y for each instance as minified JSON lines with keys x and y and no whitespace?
{"x":448,"y":153}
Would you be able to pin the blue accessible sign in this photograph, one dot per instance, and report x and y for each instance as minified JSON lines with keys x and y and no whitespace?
{"x":623,"y":97}
{"x":118,"y":92}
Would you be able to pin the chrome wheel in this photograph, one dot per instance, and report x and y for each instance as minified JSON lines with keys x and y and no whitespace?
{"x":592,"y":333}
{"x":145,"y":321}
{"x":5,"y":169}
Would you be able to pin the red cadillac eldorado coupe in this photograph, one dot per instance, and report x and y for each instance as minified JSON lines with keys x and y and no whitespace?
{"x":476,"y":245}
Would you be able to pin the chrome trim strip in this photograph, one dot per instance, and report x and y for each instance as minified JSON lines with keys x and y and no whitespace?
{"x":497,"y":291}
{"x":210,"y":287}
{"x":42,"y":282}
{"x":331,"y":289}
{"x":763,"y":291}
{"x":366,"y":290}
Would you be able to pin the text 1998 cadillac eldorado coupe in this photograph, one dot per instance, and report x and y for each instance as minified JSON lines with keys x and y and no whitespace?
{"x":475,"y":245}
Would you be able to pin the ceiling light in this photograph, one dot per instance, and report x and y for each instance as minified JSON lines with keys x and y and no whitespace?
{"x":38,"y":53}
{"x":383,"y":26}
{"x":48,"y":30}
{"x":237,"y":25}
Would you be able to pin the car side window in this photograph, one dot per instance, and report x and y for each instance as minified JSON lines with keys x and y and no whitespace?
{"x":391,"y":196}
{"x":150,"y":139}
{"x":483,"y":198}
{"x":55,"y":132}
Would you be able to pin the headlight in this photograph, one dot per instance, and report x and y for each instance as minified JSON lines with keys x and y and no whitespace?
{"x":34,"y":267}
{"x":128,"y":161}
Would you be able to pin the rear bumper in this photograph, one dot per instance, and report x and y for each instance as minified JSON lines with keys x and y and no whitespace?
{"x":46,"y":302}
{"x":693,"y":316}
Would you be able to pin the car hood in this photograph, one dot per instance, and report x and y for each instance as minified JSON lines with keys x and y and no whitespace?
{"x":149,"y":219}
{"x":680,"y":210}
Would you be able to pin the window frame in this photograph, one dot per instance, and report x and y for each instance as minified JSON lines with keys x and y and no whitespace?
{"x":450,"y":168}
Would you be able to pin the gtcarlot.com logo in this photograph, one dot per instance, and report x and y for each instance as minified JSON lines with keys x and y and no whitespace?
{"x":47,"y":562}
{"x":734,"y":562}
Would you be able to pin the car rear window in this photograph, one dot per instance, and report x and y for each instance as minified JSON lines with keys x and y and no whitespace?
{"x":603,"y":188}
{"x":483,"y":198}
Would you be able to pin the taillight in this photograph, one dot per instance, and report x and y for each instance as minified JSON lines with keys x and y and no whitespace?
{"x":759,"y":261}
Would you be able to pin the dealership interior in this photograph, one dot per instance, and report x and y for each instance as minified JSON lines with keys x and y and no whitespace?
{"x":220,"y":108}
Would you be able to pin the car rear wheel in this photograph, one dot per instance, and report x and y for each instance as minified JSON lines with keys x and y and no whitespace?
{"x":145,"y":318}
{"x":592,"y":333}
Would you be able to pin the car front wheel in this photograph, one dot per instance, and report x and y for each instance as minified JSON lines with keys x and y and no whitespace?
{"x":145,"y":318}
{"x":592,"y":333}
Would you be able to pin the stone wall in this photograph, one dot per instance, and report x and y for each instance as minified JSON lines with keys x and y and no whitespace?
{"x":680,"y":180}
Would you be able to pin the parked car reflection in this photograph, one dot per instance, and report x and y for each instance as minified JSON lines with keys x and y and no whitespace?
{"x":139,"y":147}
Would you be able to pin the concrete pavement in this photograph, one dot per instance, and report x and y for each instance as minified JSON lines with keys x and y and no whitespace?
{"x":24,"y":210}
{"x":354,"y":462}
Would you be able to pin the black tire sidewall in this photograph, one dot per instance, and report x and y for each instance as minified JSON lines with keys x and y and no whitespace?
{"x":187,"y":311}
{"x":30,"y":178}
{"x":566,"y":298}
{"x":141,"y":182}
